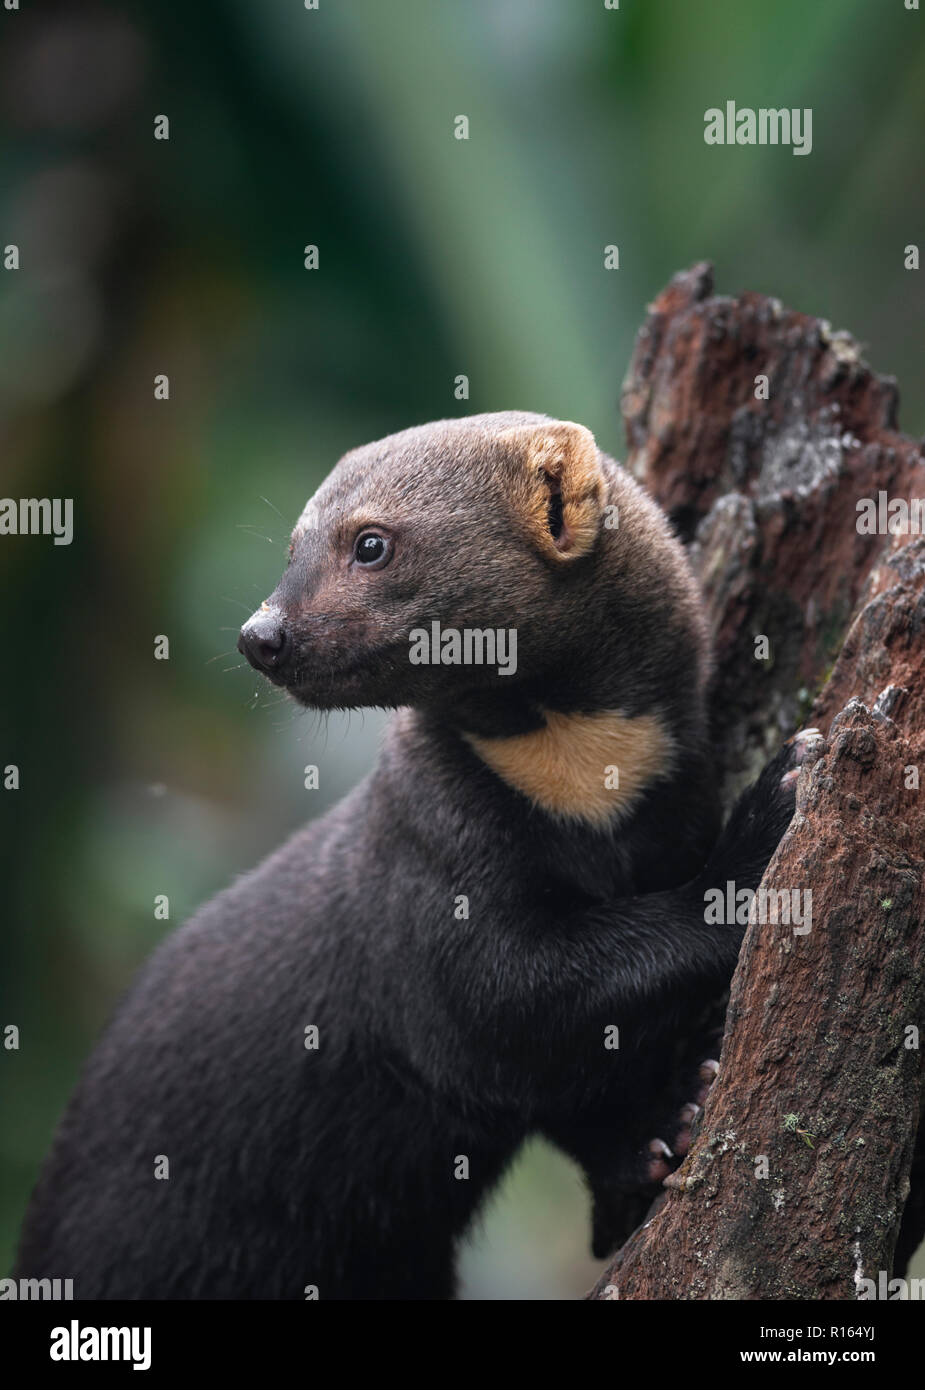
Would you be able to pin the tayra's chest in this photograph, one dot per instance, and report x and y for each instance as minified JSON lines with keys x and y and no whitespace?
{"x":588,"y":770}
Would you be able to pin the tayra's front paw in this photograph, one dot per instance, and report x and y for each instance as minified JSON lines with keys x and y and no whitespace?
{"x":778,"y":781}
{"x":760,"y":817}
{"x":622,"y":1203}
{"x":770,"y":801}
{"x":665,"y":1156}
{"x":805,"y":746}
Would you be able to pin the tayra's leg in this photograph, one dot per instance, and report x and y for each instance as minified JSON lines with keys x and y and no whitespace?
{"x":628,"y":1143}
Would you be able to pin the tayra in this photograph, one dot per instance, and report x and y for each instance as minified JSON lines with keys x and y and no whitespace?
{"x":499,"y":932}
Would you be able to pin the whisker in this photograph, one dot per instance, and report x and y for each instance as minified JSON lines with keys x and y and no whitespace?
{"x":275,"y":508}
{"x":251,"y":531}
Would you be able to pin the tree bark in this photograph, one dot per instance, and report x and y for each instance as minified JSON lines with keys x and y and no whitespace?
{"x":797,"y":1179}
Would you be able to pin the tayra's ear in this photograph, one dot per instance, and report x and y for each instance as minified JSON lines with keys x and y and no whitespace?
{"x":557,"y":486}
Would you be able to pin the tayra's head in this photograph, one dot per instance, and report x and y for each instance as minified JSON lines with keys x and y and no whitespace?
{"x":460,"y":539}
{"x":479,"y":567}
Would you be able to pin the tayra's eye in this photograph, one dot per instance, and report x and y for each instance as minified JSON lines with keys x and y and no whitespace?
{"x":371,"y":549}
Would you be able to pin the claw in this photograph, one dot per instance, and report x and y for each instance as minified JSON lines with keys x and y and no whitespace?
{"x":659,"y":1162}
{"x":805,"y":742}
{"x":708,"y":1073}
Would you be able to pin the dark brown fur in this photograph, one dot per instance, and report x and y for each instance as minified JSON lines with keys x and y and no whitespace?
{"x":441,"y":1035}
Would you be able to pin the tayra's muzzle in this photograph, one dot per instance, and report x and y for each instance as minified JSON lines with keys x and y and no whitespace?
{"x":267,"y":644}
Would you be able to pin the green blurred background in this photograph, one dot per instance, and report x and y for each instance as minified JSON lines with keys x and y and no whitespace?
{"x":438,"y":257}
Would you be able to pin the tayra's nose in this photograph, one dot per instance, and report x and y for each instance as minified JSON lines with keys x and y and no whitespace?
{"x":265,"y":642}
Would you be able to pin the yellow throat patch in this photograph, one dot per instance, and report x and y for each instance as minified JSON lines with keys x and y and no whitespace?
{"x":589,"y":767}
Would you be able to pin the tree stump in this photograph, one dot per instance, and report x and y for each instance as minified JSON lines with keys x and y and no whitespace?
{"x":760,"y":430}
